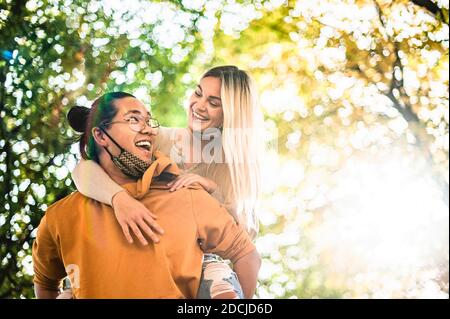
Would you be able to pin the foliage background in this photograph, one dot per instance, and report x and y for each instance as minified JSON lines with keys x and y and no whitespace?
{"x":356,"y":103}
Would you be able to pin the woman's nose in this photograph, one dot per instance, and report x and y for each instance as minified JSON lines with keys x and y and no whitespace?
{"x":200,"y":105}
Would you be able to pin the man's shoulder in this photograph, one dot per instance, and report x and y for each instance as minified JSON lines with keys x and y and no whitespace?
{"x":194,"y":192}
{"x":201,"y":196}
{"x":161,"y":187}
{"x":65,"y":205}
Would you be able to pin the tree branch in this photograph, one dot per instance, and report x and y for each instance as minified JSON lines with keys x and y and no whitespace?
{"x":432,"y":8}
{"x":404,"y":107}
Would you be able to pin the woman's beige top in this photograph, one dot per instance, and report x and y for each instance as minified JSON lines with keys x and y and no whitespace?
{"x":173,"y":143}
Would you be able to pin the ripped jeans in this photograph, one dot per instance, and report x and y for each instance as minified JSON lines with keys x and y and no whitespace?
{"x":217,"y":278}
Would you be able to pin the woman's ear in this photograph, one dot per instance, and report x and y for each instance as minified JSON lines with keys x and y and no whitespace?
{"x":99,"y":137}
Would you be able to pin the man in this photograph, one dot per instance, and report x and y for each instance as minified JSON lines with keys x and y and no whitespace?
{"x":81,"y":238}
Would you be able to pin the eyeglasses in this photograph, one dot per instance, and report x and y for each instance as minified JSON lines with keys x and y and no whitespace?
{"x":137,"y":123}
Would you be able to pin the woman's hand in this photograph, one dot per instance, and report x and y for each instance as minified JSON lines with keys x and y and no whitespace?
{"x":130,"y":213}
{"x":188,"y":179}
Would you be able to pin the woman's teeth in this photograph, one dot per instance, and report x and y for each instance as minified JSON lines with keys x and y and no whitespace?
{"x":197,"y":116}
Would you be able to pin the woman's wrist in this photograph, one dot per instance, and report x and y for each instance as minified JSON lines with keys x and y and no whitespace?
{"x":115,"y":196}
{"x":212,"y":187}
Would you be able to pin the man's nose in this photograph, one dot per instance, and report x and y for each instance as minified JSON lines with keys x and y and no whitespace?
{"x":149,"y":130}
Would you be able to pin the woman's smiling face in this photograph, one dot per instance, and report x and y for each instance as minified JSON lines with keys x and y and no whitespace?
{"x":205,"y":105}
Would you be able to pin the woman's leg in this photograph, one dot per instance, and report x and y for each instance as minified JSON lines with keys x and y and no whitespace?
{"x":218,"y":280}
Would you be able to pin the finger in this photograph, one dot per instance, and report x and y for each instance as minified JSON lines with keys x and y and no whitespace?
{"x":126,"y":232}
{"x":175,"y":180}
{"x":178,"y":182}
{"x":149,"y":213}
{"x":172,"y":186}
{"x":148,"y":231}
{"x":181,"y":185}
{"x":138,"y":234}
{"x":187,"y":182}
{"x":154,"y":225}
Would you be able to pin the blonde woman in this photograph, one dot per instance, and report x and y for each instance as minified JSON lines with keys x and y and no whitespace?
{"x":218,"y":150}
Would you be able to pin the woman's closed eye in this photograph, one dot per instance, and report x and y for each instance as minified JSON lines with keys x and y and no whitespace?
{"x":214,"y":104}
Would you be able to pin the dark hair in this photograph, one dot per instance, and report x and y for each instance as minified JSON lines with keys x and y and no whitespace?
{"x":83,"y":120}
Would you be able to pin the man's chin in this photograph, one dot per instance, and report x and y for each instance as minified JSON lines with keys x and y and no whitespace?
{"x":145,"y":155}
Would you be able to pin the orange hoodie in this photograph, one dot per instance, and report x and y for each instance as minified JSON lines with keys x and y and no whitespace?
{"x":81,"y":238}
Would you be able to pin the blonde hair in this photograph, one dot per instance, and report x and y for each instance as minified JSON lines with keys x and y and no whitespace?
{"x":241,"y":141}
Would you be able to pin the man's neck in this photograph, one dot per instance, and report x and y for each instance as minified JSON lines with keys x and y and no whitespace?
{"x":114,"y":172}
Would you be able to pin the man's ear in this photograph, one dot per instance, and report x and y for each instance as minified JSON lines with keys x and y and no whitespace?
{"x":99,"y":137}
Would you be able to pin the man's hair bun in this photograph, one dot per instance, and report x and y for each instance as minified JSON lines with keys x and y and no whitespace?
{"x":77,"y":118}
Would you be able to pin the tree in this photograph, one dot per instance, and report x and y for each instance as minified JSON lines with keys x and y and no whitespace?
{"x":56,"y":54}
{"x":340,"y":81}
{"x":348,"y":78}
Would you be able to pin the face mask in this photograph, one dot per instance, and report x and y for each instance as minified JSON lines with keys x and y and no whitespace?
{"x":127,"y":162}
